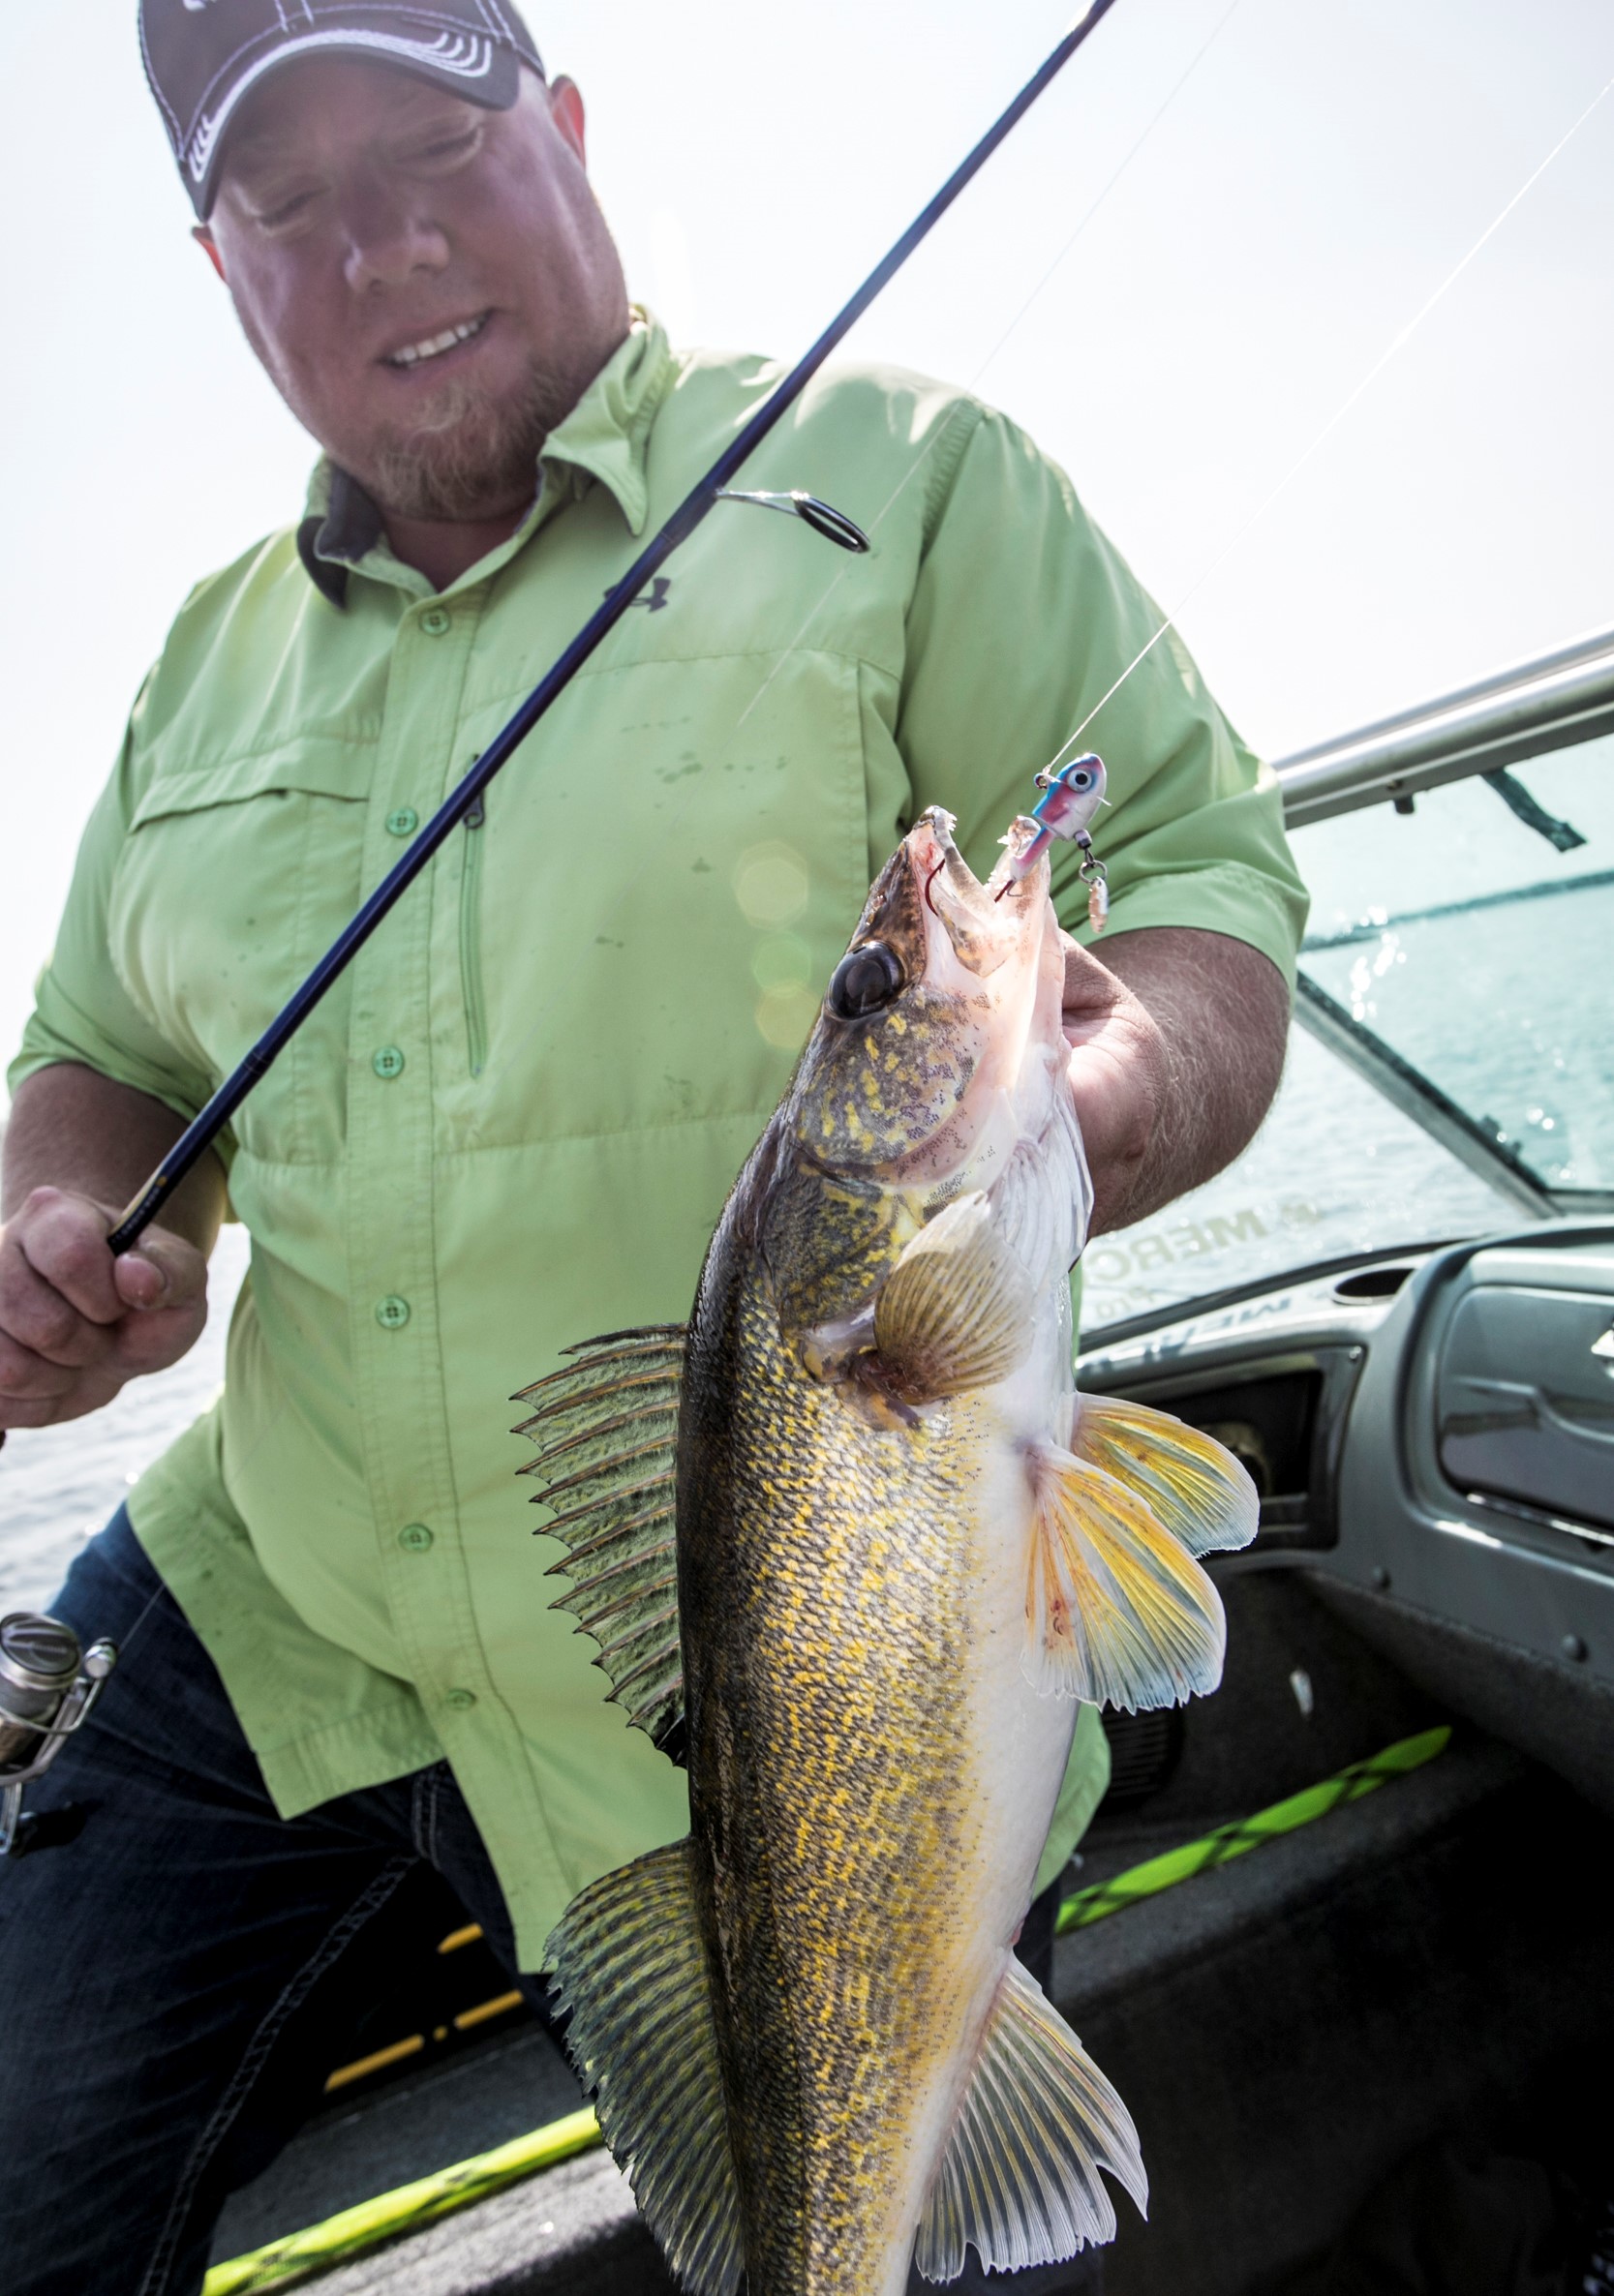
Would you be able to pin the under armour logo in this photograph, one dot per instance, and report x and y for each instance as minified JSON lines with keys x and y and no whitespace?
{"x":656,"y":597}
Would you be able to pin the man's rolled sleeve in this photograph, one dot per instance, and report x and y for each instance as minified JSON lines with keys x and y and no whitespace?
{"x":1024,"y":618}
{"x":83,"y":1010}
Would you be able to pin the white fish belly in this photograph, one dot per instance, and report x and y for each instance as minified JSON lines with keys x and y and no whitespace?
{"x":1011,"y":1763}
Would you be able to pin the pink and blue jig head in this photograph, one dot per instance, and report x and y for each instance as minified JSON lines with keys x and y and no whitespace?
{"x":1071,"y":798}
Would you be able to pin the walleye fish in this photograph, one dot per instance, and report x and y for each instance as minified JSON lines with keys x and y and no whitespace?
{"x":854,"y":1549}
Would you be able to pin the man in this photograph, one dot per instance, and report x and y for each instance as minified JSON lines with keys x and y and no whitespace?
{"x":513,"y":1122}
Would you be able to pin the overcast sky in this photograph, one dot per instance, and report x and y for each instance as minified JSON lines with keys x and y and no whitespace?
{"x":1321,"y":170}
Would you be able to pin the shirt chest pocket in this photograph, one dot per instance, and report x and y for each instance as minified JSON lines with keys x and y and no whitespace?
{"x":234,"y":876}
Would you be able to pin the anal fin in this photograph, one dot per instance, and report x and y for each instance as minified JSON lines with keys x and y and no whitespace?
{"x":1116,"y":1612}
{"x":629,"y":1960}
{"x":1193,"y":1484}
{"x":1020,"y":2177}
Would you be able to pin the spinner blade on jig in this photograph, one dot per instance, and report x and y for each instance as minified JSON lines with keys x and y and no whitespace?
{"x":1069,"y":800}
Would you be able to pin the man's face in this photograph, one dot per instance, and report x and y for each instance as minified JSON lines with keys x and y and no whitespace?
{"x":430,"y":285}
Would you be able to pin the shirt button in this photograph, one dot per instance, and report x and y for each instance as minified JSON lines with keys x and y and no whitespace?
{"x":434,"y":621}
{"x":389,"y":1061}
{"x":460,"y":1699}
{"x":403,"y":822}
{"x":415,"y":1537}
{"x":392,"y":1313}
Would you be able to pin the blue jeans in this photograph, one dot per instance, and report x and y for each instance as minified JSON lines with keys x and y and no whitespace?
{"x":155,"y":1956}
{"x":151,"y":1969}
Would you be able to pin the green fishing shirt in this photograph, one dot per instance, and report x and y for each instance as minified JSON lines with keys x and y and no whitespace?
{"x":513,"y":1123}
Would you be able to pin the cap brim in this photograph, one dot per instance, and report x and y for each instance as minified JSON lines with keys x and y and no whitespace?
{"x":471,"y":65}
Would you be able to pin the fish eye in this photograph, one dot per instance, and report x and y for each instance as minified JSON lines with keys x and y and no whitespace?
{"x":866,"y":979}
{"x":1080,"y":779}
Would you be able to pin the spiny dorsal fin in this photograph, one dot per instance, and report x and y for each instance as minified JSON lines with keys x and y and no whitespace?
{"x":629,"y":1961}
{"x":1116,"y":1612}
{"x":606,"y":1427}
{"x":1020,"y":2173}
{"x":956,"y":1310}
{"x":1190,"y":1483}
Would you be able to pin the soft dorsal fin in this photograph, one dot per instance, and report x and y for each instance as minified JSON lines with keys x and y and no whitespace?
{"x":1020,"y":2173}
{"x":628,"y":1960}
{"x":1116,"y":1612}
{"x":1190,"y":1483}
{"x":606,"y":1426}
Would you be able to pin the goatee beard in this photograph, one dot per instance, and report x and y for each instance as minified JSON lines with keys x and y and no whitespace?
{"x":473,"y":456}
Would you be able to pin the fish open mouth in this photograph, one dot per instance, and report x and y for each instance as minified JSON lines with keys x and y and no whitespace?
{"x":940,"y":1019}
{"x":984,"y":924}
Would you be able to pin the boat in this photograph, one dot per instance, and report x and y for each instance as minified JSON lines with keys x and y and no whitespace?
{"x":1339,"y":1932}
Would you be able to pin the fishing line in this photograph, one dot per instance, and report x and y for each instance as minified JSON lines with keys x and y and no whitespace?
{"x":930,"y":445}
{"x":151,"y":1602}
{"x":1164,"y":105}
{"x":1397,"y":343}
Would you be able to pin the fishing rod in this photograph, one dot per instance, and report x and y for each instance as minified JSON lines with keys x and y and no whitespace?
{"x":708,"y":491}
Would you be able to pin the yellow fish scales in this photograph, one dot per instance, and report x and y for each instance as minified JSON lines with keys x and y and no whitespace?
{"x":855,"y":1550}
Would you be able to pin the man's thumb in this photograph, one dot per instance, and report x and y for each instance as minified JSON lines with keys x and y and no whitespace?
{"x":162,"y":1271}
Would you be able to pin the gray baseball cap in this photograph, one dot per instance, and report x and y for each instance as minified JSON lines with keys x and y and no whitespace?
{"x":202,"y":56}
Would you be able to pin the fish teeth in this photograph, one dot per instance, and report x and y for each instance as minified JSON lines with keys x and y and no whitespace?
{"x":435,"y":345}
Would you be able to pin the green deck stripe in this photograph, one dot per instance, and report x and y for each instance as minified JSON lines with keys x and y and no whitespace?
{"x":302,"y":2254}
{"x":1248,"y":1834}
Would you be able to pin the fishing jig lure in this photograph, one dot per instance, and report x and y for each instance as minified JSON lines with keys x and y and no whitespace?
{"x":1071,"y":798}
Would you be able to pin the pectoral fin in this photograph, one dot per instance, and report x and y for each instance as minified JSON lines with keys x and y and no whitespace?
{"x":1020,"y":2173}
{"x":1115,"y":1610}
{"x":606,"y":1427}
{"x":628,"y":1960}
{"x":1192,"y":1484}
{"x":955,"y":1312}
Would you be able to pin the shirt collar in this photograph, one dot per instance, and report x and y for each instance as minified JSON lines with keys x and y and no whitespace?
{"x":604,"y":439}
{"x":340,"y":525}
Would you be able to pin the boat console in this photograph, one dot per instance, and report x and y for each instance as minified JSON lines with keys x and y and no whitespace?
{"x":1433,"y":1440}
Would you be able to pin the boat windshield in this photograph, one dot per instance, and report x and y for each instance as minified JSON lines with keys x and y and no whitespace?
{"x":1450,"y":1068}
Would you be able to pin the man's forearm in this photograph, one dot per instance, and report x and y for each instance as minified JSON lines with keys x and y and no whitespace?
{"x":1209,"y":1064}
{"x":72,"y":1128}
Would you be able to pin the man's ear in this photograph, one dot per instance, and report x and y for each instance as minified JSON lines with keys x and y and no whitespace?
{"x":566,"y":109}
{"x":209,"y":245}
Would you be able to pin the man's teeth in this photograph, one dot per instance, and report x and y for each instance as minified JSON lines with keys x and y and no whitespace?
{"x":435,"y":344}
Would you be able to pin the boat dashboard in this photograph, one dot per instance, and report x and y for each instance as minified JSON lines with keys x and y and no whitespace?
{"x":1432,"y":1436}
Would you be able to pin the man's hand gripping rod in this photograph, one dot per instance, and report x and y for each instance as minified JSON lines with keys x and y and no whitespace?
{"x":199,"y":1136}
